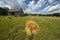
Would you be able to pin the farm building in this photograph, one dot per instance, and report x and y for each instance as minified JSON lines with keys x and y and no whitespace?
{"x":11,"y":12}
{"x":16,"y":12}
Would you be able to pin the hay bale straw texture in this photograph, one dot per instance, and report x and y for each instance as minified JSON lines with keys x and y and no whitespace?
{"x":31,"y":28}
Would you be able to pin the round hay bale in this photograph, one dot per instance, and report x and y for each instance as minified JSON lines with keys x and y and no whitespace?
{"x":31,"y":28}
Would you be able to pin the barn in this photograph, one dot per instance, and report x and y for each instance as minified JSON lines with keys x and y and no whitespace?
{"x":15,"y":12}
{"x":11,"y":12}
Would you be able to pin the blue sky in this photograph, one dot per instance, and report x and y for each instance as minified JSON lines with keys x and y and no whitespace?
{"x":33,"y":6}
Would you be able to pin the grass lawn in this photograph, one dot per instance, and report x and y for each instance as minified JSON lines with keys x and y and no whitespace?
{"x":12,"y":28}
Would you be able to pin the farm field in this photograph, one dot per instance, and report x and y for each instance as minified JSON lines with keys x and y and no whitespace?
{"x":12,"y":28}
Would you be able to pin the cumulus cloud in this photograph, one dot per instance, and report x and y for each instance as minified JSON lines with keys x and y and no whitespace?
{"x":22,"y":4}
{"x":50,"y":1}
{"x":54,"y":7}
{"x":51,"y":8}
{"x":4,"y":5}
{"x":46,"y":9}
{"x":32,"y":6}
{"x":7,"y":6}
{"x":11,"y":3}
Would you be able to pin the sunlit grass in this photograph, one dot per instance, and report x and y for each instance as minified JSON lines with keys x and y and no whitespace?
{"x":13,"y":28}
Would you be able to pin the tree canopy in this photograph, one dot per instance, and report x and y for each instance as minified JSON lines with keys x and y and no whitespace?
{"x":3,"y":11}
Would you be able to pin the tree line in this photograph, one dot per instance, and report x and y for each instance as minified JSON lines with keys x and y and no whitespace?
{"x":53,"y":14}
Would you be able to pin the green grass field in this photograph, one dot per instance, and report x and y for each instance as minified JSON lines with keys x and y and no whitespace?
{"x":13,"y":28}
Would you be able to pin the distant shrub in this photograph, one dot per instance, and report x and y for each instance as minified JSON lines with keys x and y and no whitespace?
{"x":9,"y":17}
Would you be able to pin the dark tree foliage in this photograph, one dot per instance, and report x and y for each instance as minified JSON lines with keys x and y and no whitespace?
{"x":3,"y":11}
{"x":26,"y":14}
{"x":56,"y":14}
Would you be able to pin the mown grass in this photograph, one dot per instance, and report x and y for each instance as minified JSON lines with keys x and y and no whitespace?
{"x":12,"y":28}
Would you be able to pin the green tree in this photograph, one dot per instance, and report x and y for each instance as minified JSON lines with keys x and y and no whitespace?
{"x":3,"y":11}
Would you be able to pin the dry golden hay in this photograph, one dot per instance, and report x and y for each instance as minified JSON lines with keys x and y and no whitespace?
{"x":31,"y":27}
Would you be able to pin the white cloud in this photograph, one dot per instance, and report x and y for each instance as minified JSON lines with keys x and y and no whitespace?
{"x":51,"y":8}
{"x":1,"y":4}
{"x":50,"y":1}
{"x":55,"y":7}
{"x":20,"y":2}
{"x":11,"y":3}
{"x":4,"y":5}
{"x":8,"y":6}
{"x":46,"y":9}
{"x":32,"y":6}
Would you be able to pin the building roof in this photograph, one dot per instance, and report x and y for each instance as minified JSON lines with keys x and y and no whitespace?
{"x":15,"y":10}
